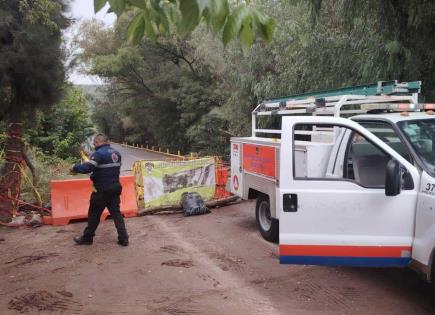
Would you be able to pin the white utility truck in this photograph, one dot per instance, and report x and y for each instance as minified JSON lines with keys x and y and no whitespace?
{"x":340,"y":191}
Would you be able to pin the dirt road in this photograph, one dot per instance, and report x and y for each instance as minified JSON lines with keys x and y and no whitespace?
{"x":211,"y":264}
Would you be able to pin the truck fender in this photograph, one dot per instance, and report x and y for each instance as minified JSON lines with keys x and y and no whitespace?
{"x":254,"y":186}
{"x":253,"y":194}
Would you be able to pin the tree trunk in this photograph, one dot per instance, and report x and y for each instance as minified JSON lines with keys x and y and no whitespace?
{"x":10,"y":182}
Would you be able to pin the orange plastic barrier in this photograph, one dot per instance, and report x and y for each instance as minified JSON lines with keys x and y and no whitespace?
{"x":70,"y":200}
{"x":221,"y":176}
{"x":221,"y":182}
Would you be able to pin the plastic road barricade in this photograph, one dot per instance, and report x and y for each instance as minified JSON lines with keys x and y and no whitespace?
{"x":221,"y":182}
{"x":70,"y":200}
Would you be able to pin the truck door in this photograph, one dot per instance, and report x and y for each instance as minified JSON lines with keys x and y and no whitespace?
{"x":236,"y":183}
{"x":342,"y":216}
{"x":425,"y":222}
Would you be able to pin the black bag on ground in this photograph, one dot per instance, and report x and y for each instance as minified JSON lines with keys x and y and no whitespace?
{"x":193,"y":204}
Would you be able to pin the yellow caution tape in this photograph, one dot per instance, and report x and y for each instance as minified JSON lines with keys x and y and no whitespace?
{"x":30,"y":182}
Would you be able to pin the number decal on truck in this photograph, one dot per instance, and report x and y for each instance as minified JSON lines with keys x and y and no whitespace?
{"x":429,"y":189}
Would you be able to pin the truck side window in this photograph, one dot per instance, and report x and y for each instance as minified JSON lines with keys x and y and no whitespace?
{"x":386,"y":133}
{"x":365,"y":162}
{"x":331,"y":152}
{"x":312,"y":148}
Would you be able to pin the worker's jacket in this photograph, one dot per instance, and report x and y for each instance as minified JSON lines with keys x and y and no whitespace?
{"x":105,"y":165}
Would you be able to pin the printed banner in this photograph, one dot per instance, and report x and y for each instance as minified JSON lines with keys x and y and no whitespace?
{"x":162,"y":183}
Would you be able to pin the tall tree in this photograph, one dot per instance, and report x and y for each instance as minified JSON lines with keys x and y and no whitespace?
{"x":401,"y":33}
{"x":346,"y":43}
{"x":31,"y":72}
{"x":160,"y":86}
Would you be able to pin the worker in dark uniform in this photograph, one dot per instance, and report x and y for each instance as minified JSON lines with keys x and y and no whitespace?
{"x":105,"y":165}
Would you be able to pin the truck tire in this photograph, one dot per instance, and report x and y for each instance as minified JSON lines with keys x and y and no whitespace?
{"x":268,"y":226}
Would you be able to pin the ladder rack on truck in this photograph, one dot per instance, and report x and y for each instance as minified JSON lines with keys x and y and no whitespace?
{"x":389,"y":96}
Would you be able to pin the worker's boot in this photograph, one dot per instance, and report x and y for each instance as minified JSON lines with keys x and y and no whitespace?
{"x":123,"y":242}
{"x":82,"y":241}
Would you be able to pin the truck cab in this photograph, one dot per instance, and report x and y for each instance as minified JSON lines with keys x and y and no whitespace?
{"x":354,"y":192}
{"x":412,"y":135}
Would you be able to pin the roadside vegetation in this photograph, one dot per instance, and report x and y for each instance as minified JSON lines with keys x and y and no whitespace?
{"x":53,"y":139}
{"x":191,"y":93}
{"x":32,"y":79}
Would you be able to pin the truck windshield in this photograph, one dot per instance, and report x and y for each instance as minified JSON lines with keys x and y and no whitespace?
{"x":421,"y":135}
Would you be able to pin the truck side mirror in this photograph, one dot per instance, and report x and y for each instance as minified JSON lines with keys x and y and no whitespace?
{"x":393,"y":178}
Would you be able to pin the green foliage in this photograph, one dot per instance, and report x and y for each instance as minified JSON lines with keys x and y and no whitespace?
{"x":62,"y":130}
{"x":209,"y":136}
{"x":392,"y":39}
{"x":157,"y":90}
{"x":106,"y":114}
{"x":194,"y":92}
{"x":155,"y":17}
{"x":99,"y":4}
{"x":41,"y":12}
{"x":136,"y":28}
{"x":244,"y":22}
{"x":31,"y":59}
{"x":189,"y":16}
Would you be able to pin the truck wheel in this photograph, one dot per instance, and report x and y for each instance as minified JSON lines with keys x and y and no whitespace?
{"x":268,"y":226}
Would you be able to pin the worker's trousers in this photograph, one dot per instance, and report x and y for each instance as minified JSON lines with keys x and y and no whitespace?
{"x":98,"y":202}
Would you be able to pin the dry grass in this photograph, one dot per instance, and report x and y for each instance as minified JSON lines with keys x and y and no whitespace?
{"x":47,"y":168}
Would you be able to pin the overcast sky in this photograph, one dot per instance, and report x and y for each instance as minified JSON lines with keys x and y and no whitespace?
{"x":83,"y":10}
